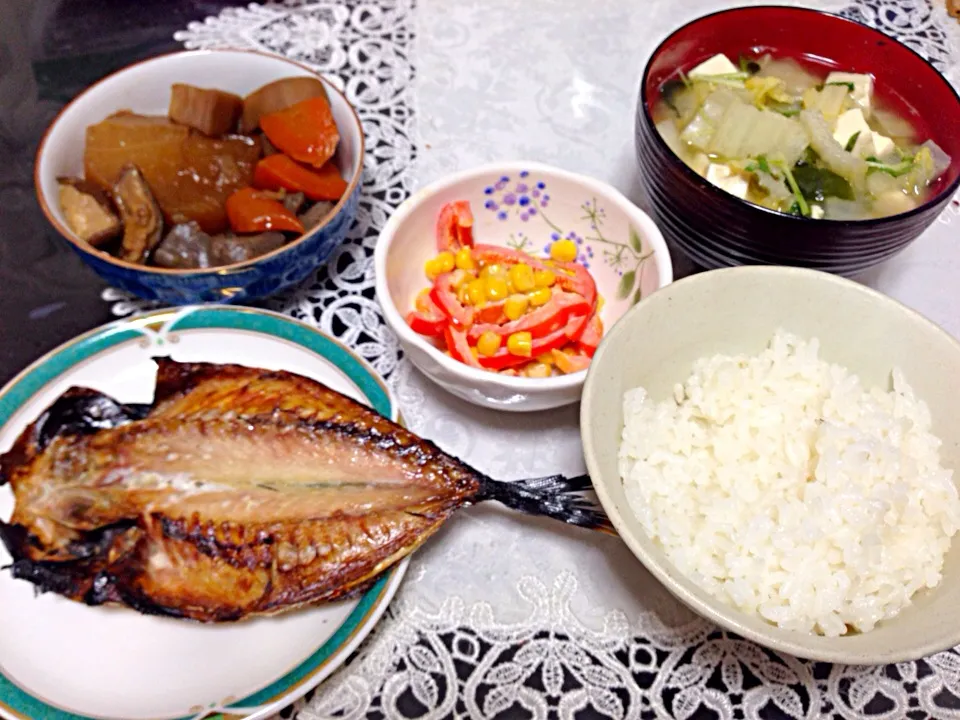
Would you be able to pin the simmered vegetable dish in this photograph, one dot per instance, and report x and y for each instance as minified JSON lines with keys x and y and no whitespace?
{"x":504,"y":310}
{"x":772,"y":132}
{"x":219,"y":180}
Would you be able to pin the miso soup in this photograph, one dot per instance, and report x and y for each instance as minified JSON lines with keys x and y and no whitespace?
{"x":773,"y":132}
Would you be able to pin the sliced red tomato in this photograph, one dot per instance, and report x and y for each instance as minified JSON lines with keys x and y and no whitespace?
{"x":592,"y":335}
{"x":455,"y":226}
{"x":570,"y":363}
{"x":576,"y":326}
{"x":503,"y":359}
{"x":581,"y":282}
{"x":490,"y":254}
{"x":428,"y":318}
{"x":540,"y":322}
{"x":489,"y":313}
{"x":458,"y":346}
{"x":424,"y":325}
{"x":444,"y":295}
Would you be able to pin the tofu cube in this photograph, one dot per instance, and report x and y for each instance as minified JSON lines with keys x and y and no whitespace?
{"x":869,"y":143}
{"x":864,"y":146}
{"x":862,"y":87}
{"x":885,"y":149}
{"x":717,"y":65}
{"x":849,"y":123}
{"x":816,"y":212}
{"x":725,"y":179}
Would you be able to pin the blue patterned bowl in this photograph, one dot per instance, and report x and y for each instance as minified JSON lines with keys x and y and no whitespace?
{"x":144,"y":87}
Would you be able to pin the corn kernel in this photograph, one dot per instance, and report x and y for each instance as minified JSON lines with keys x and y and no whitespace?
{"x":538,"y":370}
{"x":474,"y":352}
{"x":423,"y":301}
{"x":460,"y":278}
{"x":544,"y":278}
{"x":464,"y":259}
{"x":432,"y":268}
{"x":521,"y":275}
{"x":515,"y":306}
{"x":446,"y":261}
{"x":463,"y":294}
{"x":540,"y":296}
{"x":492,"y":270}
{"x":546,"y":358}
{"x":520,"y":343}
{"x":600,"y":302}
{"x":476,"y":291}
{"x":488,"y":343}
{"x":496,"y":287}
{"x":564,"y":250}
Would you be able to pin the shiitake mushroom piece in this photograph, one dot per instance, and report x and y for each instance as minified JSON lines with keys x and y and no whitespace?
{"x":141,"y":216}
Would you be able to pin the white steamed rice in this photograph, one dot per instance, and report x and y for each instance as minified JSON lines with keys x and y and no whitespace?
{"x":784,"y":488}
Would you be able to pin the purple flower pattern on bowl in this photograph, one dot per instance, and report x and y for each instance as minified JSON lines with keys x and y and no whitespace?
{"x":529,"y":200}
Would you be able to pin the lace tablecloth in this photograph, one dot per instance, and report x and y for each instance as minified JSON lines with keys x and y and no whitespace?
{"x":501,"y":615}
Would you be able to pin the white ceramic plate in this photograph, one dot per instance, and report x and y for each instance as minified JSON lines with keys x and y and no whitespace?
{"x":61,"y":660}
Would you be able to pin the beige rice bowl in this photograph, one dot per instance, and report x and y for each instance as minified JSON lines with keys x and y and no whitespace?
{"x":784,"y":488}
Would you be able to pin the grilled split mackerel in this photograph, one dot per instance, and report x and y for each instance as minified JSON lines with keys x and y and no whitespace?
{"x":238,"y":492}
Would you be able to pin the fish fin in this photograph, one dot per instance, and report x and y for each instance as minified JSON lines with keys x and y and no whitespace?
{"x":554,"y":496}
{"x":63,"y":578}
{"x":81,"y":411}
{"x":79,"y":571}
{"x":15,"y":538}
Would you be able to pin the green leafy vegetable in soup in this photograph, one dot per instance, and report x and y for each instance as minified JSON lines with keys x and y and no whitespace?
{"x":769,"y":131}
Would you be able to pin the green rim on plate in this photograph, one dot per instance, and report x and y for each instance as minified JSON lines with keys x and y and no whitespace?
{"x":18,"y":391}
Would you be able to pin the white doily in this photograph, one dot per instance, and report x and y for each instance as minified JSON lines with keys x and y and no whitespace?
{"x":503,"y":616}
{"x":462,"y":661}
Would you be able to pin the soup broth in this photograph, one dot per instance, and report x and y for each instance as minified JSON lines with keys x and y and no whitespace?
{"x":798,"y":139}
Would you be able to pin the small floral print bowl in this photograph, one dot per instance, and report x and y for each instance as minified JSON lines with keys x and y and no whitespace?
{"x":522,"y":206}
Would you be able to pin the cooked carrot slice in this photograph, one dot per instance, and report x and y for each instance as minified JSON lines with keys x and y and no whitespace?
{"x":250,"y":211}
{"x":305,"y":131}
{"x":279,"y":171}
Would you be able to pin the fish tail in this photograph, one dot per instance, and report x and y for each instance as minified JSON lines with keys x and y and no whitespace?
{"x":554,"y":496}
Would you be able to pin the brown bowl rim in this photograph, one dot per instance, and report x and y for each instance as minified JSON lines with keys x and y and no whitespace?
{"x":945,"y":194}
{"x":233,"y":268}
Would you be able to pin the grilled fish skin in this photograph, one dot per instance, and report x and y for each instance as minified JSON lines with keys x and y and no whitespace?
{"x":238,"y":492}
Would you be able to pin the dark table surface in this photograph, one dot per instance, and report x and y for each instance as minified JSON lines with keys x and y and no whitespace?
{"x":50,"y":50}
